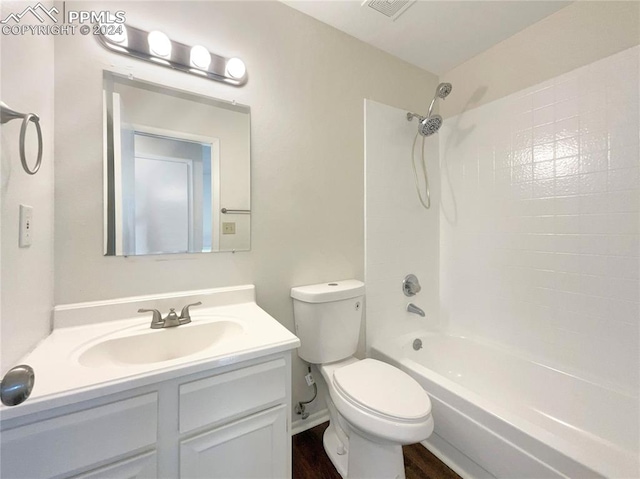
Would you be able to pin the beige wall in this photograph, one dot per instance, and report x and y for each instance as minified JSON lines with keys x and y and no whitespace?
{"x":27,"y":273}
{"x":307,"y":82}
{"x":577,"y":35}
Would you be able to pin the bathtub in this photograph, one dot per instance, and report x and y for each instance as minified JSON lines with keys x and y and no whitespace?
{"x":500,"y":415}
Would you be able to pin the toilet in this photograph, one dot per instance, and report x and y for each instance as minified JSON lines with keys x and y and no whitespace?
{"x":374,"y":408}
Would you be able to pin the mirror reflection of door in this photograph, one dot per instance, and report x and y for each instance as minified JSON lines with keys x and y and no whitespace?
{"x":167,"y":192}
{"x":176,"y":170}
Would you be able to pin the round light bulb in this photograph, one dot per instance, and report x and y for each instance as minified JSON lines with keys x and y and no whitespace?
{"x":115,"y":32}
{"x":120,"y":38}
{"x":236,"y":68}
{"x":200,"y":57}
{"x":159,"y":44}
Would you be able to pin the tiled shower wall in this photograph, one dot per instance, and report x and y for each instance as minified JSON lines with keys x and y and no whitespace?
{"x":539,"y":221}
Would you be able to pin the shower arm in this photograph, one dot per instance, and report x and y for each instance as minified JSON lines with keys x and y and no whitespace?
{"x":411,"y":116}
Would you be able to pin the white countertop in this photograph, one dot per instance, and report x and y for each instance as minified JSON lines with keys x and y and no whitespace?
{"x":61,"y":379}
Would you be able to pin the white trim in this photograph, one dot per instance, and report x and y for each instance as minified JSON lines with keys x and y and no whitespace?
{"x":301,"y":425}
{"x":171,"y":134}
{"x":215,"y":195}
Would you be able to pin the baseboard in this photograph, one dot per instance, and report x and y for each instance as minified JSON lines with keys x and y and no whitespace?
{"x":313,"y":420}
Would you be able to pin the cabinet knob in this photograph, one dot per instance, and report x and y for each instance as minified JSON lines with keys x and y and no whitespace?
{"x":17,"y":384}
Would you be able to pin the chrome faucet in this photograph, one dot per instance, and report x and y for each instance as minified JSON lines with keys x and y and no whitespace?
{"x":172,"y":320}
{"x":412,"y":308}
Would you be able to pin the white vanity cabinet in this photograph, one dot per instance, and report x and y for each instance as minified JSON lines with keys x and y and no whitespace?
{"x":227,"y":422}
{"x":248,"y":448}
{"x":252,"y":445}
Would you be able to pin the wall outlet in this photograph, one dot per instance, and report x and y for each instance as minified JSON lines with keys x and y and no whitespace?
{"x":26,"y":226}
{"x":228,"y":228}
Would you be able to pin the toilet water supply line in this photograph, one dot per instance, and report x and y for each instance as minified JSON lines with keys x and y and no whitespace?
{"x":300,"y":407}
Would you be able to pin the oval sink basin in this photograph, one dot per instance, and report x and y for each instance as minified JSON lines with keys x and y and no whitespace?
{"x":158,"y":345}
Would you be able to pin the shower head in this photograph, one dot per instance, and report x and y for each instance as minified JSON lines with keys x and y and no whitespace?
{"x":429,"y":125}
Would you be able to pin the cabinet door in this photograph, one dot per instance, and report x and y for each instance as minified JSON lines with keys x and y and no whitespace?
{"x":251,"y":448}
{"x":143,"y":466}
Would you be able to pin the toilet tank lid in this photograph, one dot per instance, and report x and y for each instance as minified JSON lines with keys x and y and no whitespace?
{"x":325,"y":292}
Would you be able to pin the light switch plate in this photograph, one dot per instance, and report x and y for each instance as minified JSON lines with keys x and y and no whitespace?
{"x":26,"y":226}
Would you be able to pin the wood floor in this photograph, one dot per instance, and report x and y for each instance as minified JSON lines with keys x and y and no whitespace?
{"x":311,"y":462}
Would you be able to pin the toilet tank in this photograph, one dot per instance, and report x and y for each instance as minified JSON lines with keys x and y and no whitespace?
{"x":327,"y":318}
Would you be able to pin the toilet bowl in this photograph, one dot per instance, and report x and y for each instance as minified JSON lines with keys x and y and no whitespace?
{"x":374,"y":408}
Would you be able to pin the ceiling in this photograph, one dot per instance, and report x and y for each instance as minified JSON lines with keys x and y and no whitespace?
{"x":434,"y":35}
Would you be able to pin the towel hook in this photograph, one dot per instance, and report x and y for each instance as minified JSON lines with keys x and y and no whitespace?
{"x":6,"y":115}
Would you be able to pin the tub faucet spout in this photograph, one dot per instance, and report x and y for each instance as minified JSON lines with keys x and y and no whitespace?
{"x":412,"y":308}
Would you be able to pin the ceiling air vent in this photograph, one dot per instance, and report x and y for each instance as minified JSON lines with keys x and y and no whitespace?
{"x":389,"y":8}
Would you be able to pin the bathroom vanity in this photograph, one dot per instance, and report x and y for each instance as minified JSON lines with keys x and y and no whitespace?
{"x":217,"y":407}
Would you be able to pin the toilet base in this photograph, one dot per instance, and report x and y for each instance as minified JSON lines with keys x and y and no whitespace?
{"x":362,"y":458}
{"x":336,"y":450}
{"x":371,"y":460}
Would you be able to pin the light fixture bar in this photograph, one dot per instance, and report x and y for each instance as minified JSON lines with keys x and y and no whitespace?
{"x":136,"y":44}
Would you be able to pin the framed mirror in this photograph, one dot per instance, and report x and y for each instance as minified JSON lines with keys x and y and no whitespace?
{"x":177,"y":170}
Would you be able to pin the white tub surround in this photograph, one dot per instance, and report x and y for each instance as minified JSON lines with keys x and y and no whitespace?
{"x":508,"y":416}
{"x":115,"y":398}
{"x":401,"y":237}
{"x":540,"y":231}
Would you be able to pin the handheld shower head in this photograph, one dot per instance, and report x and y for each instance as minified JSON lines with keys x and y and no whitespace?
{"x":443,"y":90}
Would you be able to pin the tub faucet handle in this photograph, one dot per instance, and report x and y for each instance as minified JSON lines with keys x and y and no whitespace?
{"x":411,"y":285}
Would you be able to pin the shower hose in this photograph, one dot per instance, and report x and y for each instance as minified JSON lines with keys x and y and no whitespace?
{"x":425,"y":202}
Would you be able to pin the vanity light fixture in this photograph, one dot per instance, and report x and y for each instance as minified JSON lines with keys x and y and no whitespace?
{"x":159,"y":44}
{"x":119,"y":38}
{"x":200,"y":57}
{"x":158,"y":48}
{"x":116,"y":34}
{"x":235,"y":68}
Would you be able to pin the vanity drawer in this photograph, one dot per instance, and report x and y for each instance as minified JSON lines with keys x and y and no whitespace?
{"x":62,"y":445}
{"x":211,"y":400}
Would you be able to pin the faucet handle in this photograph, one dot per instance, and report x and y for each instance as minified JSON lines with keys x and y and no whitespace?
{"x":411,"y":285}
{"x":184,"y":314}
{"x":156,"y":321}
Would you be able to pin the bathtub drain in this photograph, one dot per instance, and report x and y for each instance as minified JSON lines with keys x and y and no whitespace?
{"x":417,"y":344}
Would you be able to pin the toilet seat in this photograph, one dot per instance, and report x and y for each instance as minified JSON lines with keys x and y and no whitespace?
{"x":380,"y":400}
{"x":383,"y":390}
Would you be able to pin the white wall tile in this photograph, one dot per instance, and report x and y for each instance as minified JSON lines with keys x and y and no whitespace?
{"x":559,"y":276}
